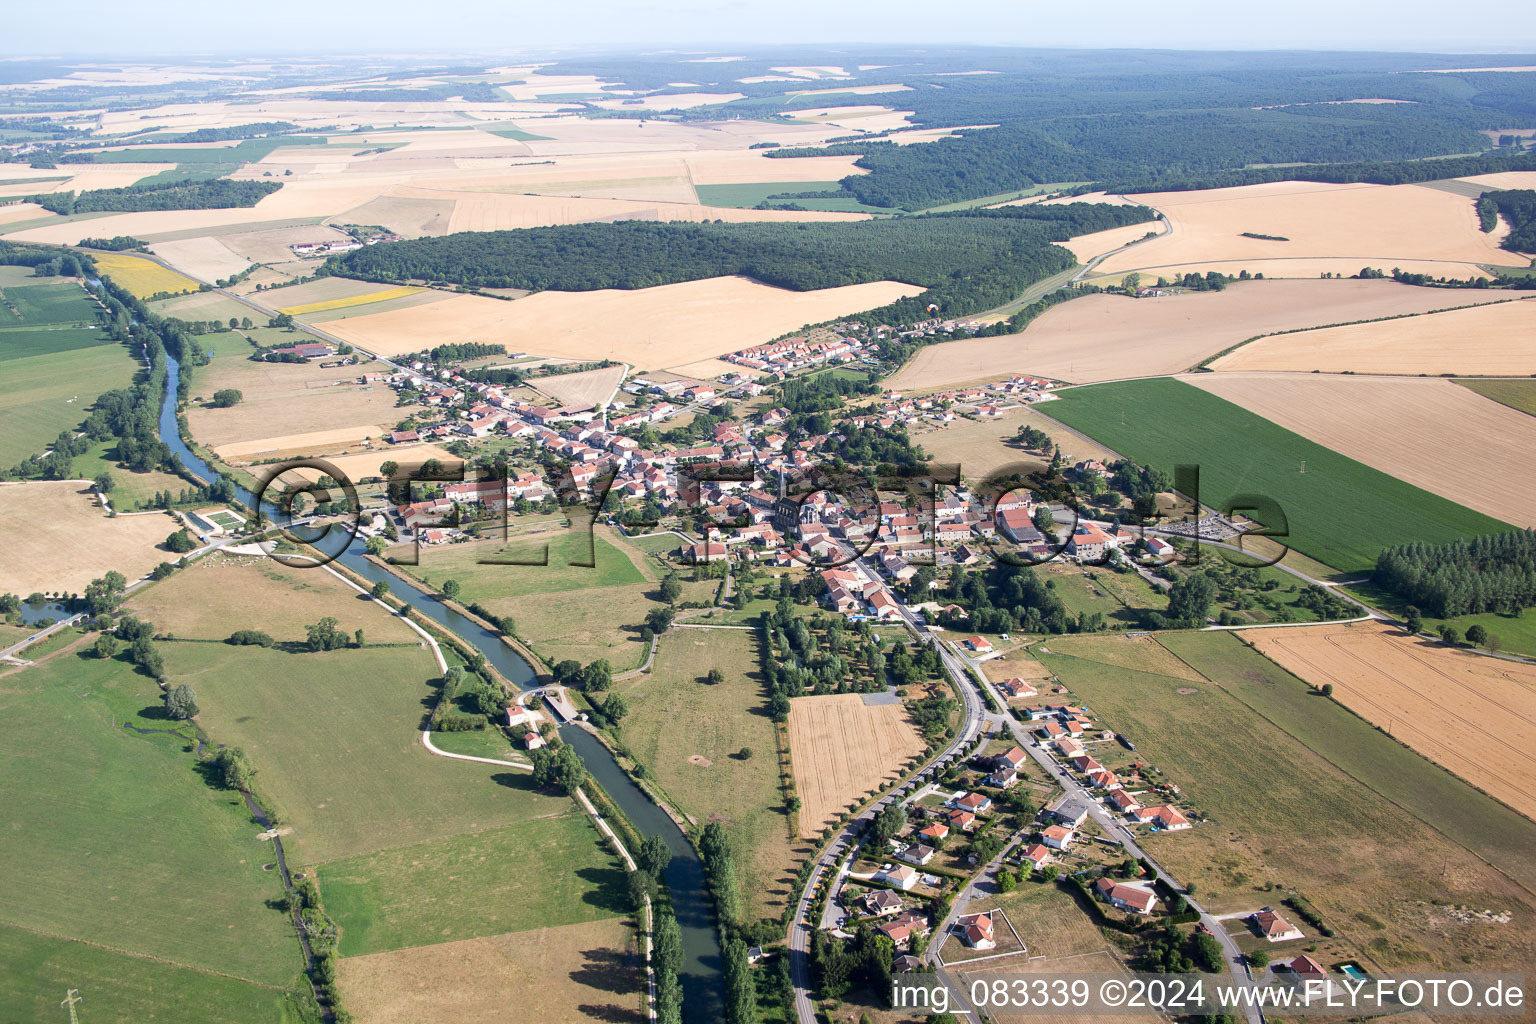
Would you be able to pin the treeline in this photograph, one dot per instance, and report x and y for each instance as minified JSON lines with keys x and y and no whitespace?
{"x":244,"y":131}
{"x":117,"y":243}
{"x":966,"y":262}
{"x":189,"y":194}
{"x":1518,"y":207}
{"x":474,"y":92}
{"x":1147,"y":151}
{"x":1491,"y":573}
{"x":457,"y":352}
{"x":1404,"y":172}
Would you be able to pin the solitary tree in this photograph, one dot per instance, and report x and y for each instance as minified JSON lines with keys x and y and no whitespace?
{"x":451,"y":589}
{"x":107,"y":646}
{"x":104,"y":482}
{"x":1412,"y":620}
{"x":181,"y":702}
{"x":226,"y":397}
{"x":180,"y":542}
{"x":716,"y":676}
{"x":1450,"y":634}
{"x":1477,"y":636}
{"x":380,"y":589}
{"x":671,"y":590}
{"x":744,"y":754}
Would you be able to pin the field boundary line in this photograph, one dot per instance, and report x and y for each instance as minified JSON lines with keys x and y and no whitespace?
{"x":141,"y":956}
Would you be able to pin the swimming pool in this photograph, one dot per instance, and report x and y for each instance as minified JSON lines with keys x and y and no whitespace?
{"x":1353,"y":971}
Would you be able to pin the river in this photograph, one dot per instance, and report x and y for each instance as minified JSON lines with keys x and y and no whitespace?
{"x":700,"y":976}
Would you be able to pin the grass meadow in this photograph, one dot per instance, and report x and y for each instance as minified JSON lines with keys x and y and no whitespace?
{"x":675,"y":716}
{"x":121,"y":988}
{"x":539,"y":873}
{"x":336,"y":743}
{"x":1303,"y":795}
{"x":562,"y":610}
{"x":41,"y":395}
{"x":116,"y":839}
{"x":1339,"y":511}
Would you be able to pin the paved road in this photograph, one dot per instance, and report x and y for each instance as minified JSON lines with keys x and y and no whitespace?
{"x":1116,"y":830}
{"x":800,"y":929}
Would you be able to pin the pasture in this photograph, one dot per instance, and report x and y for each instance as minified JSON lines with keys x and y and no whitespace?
{"x":1366,"y":418}
{"x":1473,"y":715}
{"x":120,"y":988}
{"x":282,"y":400}
{"x":143,"y":277}
{"x":1339,"y":511}
{"x":1350,"y":226}
{"x":744,"y":194}
{"x":130,"y":490}
{"x":335,"y":738}
{"x":1108,"y":337}
{"x":1484,"y":340}
{"x":58,"y":539}
{"x":841,"y":748}
{"x":689,"y":734}
{"x":981,"y":446}
{"x":476,"y":567}
{"x":125,"y":844}
{"x":1304,"y":795}
{"x":657,"y":328}
{"x":466,"y":886}
{"x":52,"y":390}
{"x":202,"y":601}
{"x":1516,"y":394}
{"x":566,"y":975}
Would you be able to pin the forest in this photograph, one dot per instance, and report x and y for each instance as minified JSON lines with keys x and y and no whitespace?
{"x":1164,"y":120}
{"x":1518,"y":208}
{"x":189,"y":194}
{"x":967,"y":261}
{"x":1492,"y":573}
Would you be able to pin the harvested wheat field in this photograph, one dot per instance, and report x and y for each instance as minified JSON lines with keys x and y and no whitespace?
{"x":581,"y":390}
{"x":841,"y":748}
{"x":56,"y":538}
{"x":1472,"y":714}
{"x":205,"y":258}
{"x":283,"y":399}
{"x":1086,"y":247}
{"x":1368,"y":418}
{"x":576,"y":972}
{"x":1375,"y":225}
{"x":657,"y":327}
{"x":1109,"y":337}
{"x":1490,"y":340}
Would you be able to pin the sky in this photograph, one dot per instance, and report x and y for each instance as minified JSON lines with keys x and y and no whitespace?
{"x":167,"y":27}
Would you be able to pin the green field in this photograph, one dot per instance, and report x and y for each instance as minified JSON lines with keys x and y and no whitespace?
{"x":1516,"y":393}
{"x":674,"y":715}
{"x":1340,"y":511}
{"x":41,"y":395}
{"x":518,"y":135}
{"x":50,"y":315}
{"x":120,"y":988}
{"x":245,"y":151}
{"x":751,"y":193}
{"x":116,"y":839}
{"x":535,"y":874}
{"x":335,"y":738}
{"x":48,"y":301}
{"x":482,"y":582}
{"x":1304,"y":795}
